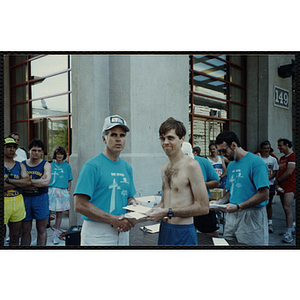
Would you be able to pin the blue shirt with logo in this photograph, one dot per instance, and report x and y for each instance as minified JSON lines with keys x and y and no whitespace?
{"x":245,"y":177}
{"x":108,"y":184}
{"x":61,"y":174}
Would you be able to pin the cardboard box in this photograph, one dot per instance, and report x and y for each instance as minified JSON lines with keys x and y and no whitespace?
{"x":216,"y":194}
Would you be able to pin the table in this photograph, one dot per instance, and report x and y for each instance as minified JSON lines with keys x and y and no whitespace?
{"x":139,"y":238}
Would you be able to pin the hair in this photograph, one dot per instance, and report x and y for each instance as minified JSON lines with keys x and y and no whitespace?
{"x":197,"y":149}
{"x":212,"y":144}
{"x":36,"y":143}
{"x":13,"y":133}
{"x":266,"y":143}
{"x":170,"y":124}
{"x":286,"y":142}
{"x":228,"y":137}
{"x":61,"y":150}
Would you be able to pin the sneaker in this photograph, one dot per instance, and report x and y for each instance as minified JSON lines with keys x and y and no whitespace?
{"x":283,"y":233}
{"x":287,"y":238}
{"x":55,"y":239}
{"x":271,"y":230}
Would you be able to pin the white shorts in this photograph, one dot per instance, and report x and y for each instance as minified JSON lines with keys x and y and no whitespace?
{"x":59,"y":199}
{"x":249,"y":226}
{"x":102,"y":234}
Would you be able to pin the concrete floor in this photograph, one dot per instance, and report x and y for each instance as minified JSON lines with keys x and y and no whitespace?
{"x":275,"y":239}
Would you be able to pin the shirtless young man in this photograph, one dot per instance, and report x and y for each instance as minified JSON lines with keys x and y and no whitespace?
{"x":184,"y":192}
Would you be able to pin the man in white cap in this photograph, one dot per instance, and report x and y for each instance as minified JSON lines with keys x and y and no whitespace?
{"x":105,"y":185}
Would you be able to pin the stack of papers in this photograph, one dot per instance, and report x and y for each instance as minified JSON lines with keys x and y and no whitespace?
{"x":138,"y":208}
{"x":137,"y":213}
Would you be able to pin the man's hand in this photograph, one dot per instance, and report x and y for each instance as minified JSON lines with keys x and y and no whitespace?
{"x":122,"y":224}
{"x":156,"y":214}
{"x":230,"y":208}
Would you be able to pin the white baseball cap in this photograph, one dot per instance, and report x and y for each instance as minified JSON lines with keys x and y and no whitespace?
{"x":187,"y":149}
{"x":113,"y":121}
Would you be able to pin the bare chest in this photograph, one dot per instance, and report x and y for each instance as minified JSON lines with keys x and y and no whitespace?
{"x":175,"y":179}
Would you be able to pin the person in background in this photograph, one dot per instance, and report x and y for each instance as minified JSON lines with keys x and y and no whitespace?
{"x":286,"y":179}
{"x":265,"y":148}
{"x":248,"y":193}
{"x":15,"y":178}
{"x":36,"y":197}
{"x":20,"y":155}
{"x":184,"y":192}
{"x":258,"y":152}
{"x":218,"y":163}
{"x":105,"y":185}
{"x":59,"y":188}
{"x":196,"y":151}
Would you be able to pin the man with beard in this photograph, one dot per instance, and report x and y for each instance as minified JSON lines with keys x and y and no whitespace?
{"x":248,"y":192}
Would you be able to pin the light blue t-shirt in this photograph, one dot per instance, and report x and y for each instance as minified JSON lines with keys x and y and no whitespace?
{"x":209,"y":173}
{"x":245,"y":177}
{"x":61,"y":174}
{"x":108,"y":184}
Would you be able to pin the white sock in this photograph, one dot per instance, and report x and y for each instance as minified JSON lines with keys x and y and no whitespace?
{"x":270,"y":221}
{"x":56,"y":232}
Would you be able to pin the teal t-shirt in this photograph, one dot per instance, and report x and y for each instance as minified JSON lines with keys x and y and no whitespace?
{"x":245,"y":177}
{"x":209,"y":172}
{"x":108,"y":184}
{"x":61,"y":174}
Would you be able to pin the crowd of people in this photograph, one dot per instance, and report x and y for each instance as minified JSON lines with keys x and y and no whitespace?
{"x":29,"y":183}
{"x":34,"y":187}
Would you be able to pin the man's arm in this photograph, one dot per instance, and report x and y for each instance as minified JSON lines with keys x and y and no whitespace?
{"x":224,"y":168}
{"x":261,"y":196}
{"x":23,"y":182}
{"x":288,"y":172}
{"x":83,"y":206}
{"x":45,"y":179}
{"x":212,"y":184}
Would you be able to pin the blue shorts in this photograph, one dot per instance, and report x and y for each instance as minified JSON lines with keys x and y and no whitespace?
{"x":37,"y":207}
{"x":271,"y":191}
{"x":177,"y":235}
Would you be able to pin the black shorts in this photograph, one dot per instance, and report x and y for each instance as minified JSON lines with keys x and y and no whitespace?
{"x":207,"y":223}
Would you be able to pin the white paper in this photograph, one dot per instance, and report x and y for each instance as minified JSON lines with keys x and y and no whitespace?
{"x":135,"y":215}
{"x":151,"y":228}
{"x":138,"y":208}
{"x":220,"y":242}
{"x":217,"y":205}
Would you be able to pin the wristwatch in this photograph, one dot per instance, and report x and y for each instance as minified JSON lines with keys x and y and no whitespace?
{"x":238,"y":207}
{"x":170,"y":213}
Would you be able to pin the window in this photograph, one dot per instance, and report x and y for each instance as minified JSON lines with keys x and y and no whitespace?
{"x":40,"y":97}
{"x":217,"y":98}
